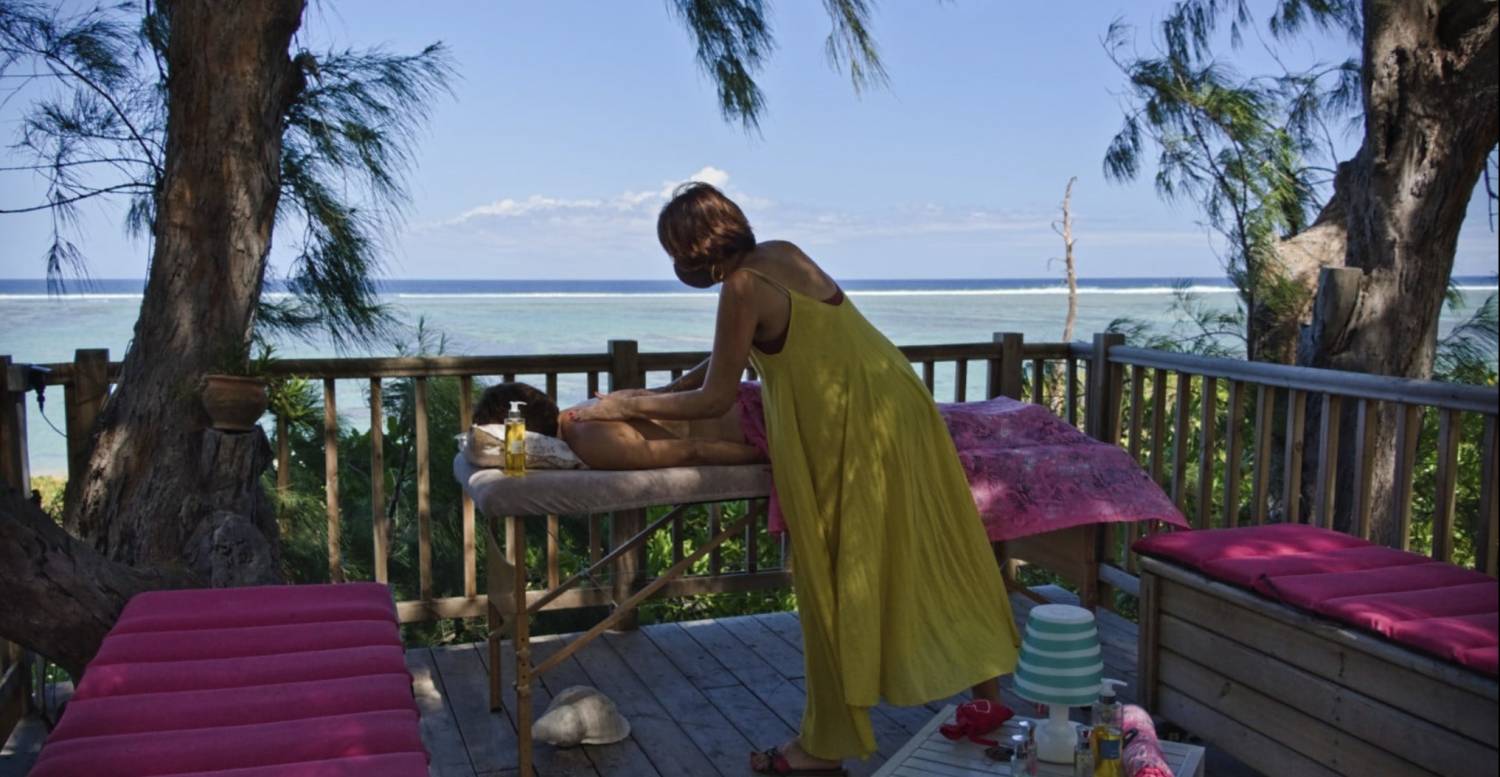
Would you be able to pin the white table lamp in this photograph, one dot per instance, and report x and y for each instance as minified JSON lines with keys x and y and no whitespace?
{"x":1060,"y":667}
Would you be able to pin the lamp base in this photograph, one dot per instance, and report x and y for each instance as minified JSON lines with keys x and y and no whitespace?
{"x":1056,"y":737}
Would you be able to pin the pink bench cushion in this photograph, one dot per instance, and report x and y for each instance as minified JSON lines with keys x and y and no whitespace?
{"x":1447,"y":611}
{"x":217,"y":682}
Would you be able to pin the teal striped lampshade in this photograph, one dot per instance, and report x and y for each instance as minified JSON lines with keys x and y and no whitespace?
{"x":1060,"y":658}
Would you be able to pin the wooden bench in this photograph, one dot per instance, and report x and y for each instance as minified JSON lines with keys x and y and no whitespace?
{"x":1290,"y":693}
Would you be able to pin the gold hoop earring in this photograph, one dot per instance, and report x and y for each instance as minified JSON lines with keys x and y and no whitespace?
{"x":717,"y":273}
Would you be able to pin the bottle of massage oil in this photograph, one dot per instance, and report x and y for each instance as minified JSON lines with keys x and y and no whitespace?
{"x":515,"y":440}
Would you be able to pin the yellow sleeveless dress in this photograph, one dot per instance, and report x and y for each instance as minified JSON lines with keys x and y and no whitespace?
{"x":899,"y":595}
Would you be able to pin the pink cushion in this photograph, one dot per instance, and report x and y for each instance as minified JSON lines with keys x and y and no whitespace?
{"x":1450,"y":612}
{"x":390,"y":765}
{"x":1246,"y":571}
{"x":1449,"y":638}
{"x":217,"y":608}
{"x":208,"y":749}
{"x":1311,"y":591}
{"x":1382,"y":612}
{"x":1483,"y":659}
{"x":174,"y":710}
{"x":273,"y":681}
{"x":199,"y":644}
{"x":160,"y":676}
{"x":1195,"y":548}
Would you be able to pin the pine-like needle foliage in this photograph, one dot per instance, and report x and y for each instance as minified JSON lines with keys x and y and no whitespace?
{"x":96,"y":124}
{"x":1255,"y":154}
{"x":734,"y":38}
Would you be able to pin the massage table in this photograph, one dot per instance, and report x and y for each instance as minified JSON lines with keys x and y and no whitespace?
{"x":1072,"y":552}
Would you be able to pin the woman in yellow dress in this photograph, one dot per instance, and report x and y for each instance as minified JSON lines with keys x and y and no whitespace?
{"x":899,"y":595}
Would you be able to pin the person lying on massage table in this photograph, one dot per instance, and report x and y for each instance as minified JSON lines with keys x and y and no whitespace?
{"x":637,"y":443}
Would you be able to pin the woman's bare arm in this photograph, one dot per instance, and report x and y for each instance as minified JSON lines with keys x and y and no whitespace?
{"x":733,"y":333}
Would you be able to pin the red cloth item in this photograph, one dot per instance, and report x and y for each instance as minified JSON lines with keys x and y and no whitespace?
{"x":1438,"y":608}
{"x":217,"y":682}
{"x":1141,"y":756}
{"x":972,"y":720}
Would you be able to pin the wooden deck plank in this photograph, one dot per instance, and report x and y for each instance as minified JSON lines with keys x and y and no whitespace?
{"x":550,"y":761}
{"x":718,"y":739}
{"x":753,"y":634}
{"x":450,"y":757}
{"x":668,"y":747}
{"x":490,"y":739}
{"x":621,"y":759}
{"x":703,"y":669}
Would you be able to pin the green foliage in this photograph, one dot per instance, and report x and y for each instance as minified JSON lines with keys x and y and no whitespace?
{"x":734,"y":37}
{"x":345,"y":148}
{"x":51,"y":488}
{"x":1253,"y":153}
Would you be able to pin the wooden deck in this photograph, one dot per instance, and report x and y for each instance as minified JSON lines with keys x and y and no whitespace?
{"x":699,"y":695}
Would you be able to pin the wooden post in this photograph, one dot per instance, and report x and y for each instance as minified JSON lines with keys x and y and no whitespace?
{"x":1102,"y":419}
{"x":15,"y":467}
{"x":83,"y":399}
{"x":1005,"y":374}
{"x":625,"y":373}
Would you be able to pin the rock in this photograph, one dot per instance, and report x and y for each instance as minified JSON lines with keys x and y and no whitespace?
{"x":581,"y":715}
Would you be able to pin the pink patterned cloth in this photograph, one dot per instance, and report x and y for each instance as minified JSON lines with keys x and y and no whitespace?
{"x":1142,"y":756}
{"x":1029,"y":470}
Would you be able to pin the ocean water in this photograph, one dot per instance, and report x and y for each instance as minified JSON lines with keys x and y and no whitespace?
{"x":524,"y":317}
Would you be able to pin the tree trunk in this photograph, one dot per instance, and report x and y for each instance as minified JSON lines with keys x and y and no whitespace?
{"x":61,"y":596}
{"x":1429,"y":87}
{"x":1274,"y":328}
{"x":145,"y":493}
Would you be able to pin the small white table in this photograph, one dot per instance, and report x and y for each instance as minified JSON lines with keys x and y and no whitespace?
{"x":930,"y":754}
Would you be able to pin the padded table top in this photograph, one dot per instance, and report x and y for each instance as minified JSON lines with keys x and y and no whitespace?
{"x":586,"y":491}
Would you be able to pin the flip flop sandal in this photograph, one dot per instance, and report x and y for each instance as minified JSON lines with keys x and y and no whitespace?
{"x":776,"y":763}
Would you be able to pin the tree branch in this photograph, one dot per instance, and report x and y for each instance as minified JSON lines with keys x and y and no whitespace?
{"x":132,"y":185}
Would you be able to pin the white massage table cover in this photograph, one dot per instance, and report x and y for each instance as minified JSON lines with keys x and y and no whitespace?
{"x":588,"y":491}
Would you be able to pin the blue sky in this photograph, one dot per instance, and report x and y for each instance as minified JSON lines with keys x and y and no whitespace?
{"x":569,"y":121}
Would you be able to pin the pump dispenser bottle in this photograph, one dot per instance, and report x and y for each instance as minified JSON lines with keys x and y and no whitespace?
{"x":1107,"y":733}
{"x":515,"y":440}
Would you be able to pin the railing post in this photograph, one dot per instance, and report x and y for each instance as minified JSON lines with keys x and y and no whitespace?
{"x":629,"y":568}
{"x":1003,"y":376}
{"x":15,"y":468}
{"x":1102,"y":417}
{"x":83,"y":399}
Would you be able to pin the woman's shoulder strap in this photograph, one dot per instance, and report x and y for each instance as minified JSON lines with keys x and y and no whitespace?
{"x":767,"y":278}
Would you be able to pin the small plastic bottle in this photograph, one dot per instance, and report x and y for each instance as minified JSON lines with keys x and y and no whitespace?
{"x":1029,"y":731}
{"x":1018,"y":755}
{"x":1083,"y":755}
{"x":515,"y":440}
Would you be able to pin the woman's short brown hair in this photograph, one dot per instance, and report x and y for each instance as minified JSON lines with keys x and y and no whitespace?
{"x":700,"y":227}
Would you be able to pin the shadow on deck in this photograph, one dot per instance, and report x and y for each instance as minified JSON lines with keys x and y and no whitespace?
{"x":700,"y":696}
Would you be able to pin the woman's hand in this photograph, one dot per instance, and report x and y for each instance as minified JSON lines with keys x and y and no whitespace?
{"x":609,"y":407}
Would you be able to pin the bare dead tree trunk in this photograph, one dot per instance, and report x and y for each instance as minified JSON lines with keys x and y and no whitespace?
{"x":61,"y":596}
{"x":1065,"y":230}
{"x":1057,"y":376}
{"x":1430,"y":96}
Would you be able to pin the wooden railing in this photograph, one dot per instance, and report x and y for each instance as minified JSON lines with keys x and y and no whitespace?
{"x":1231,"y":441}
{"x":1183,"y":417}
{"x":1005,"y":365}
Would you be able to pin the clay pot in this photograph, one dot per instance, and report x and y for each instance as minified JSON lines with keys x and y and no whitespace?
{"x":234,"y":403}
